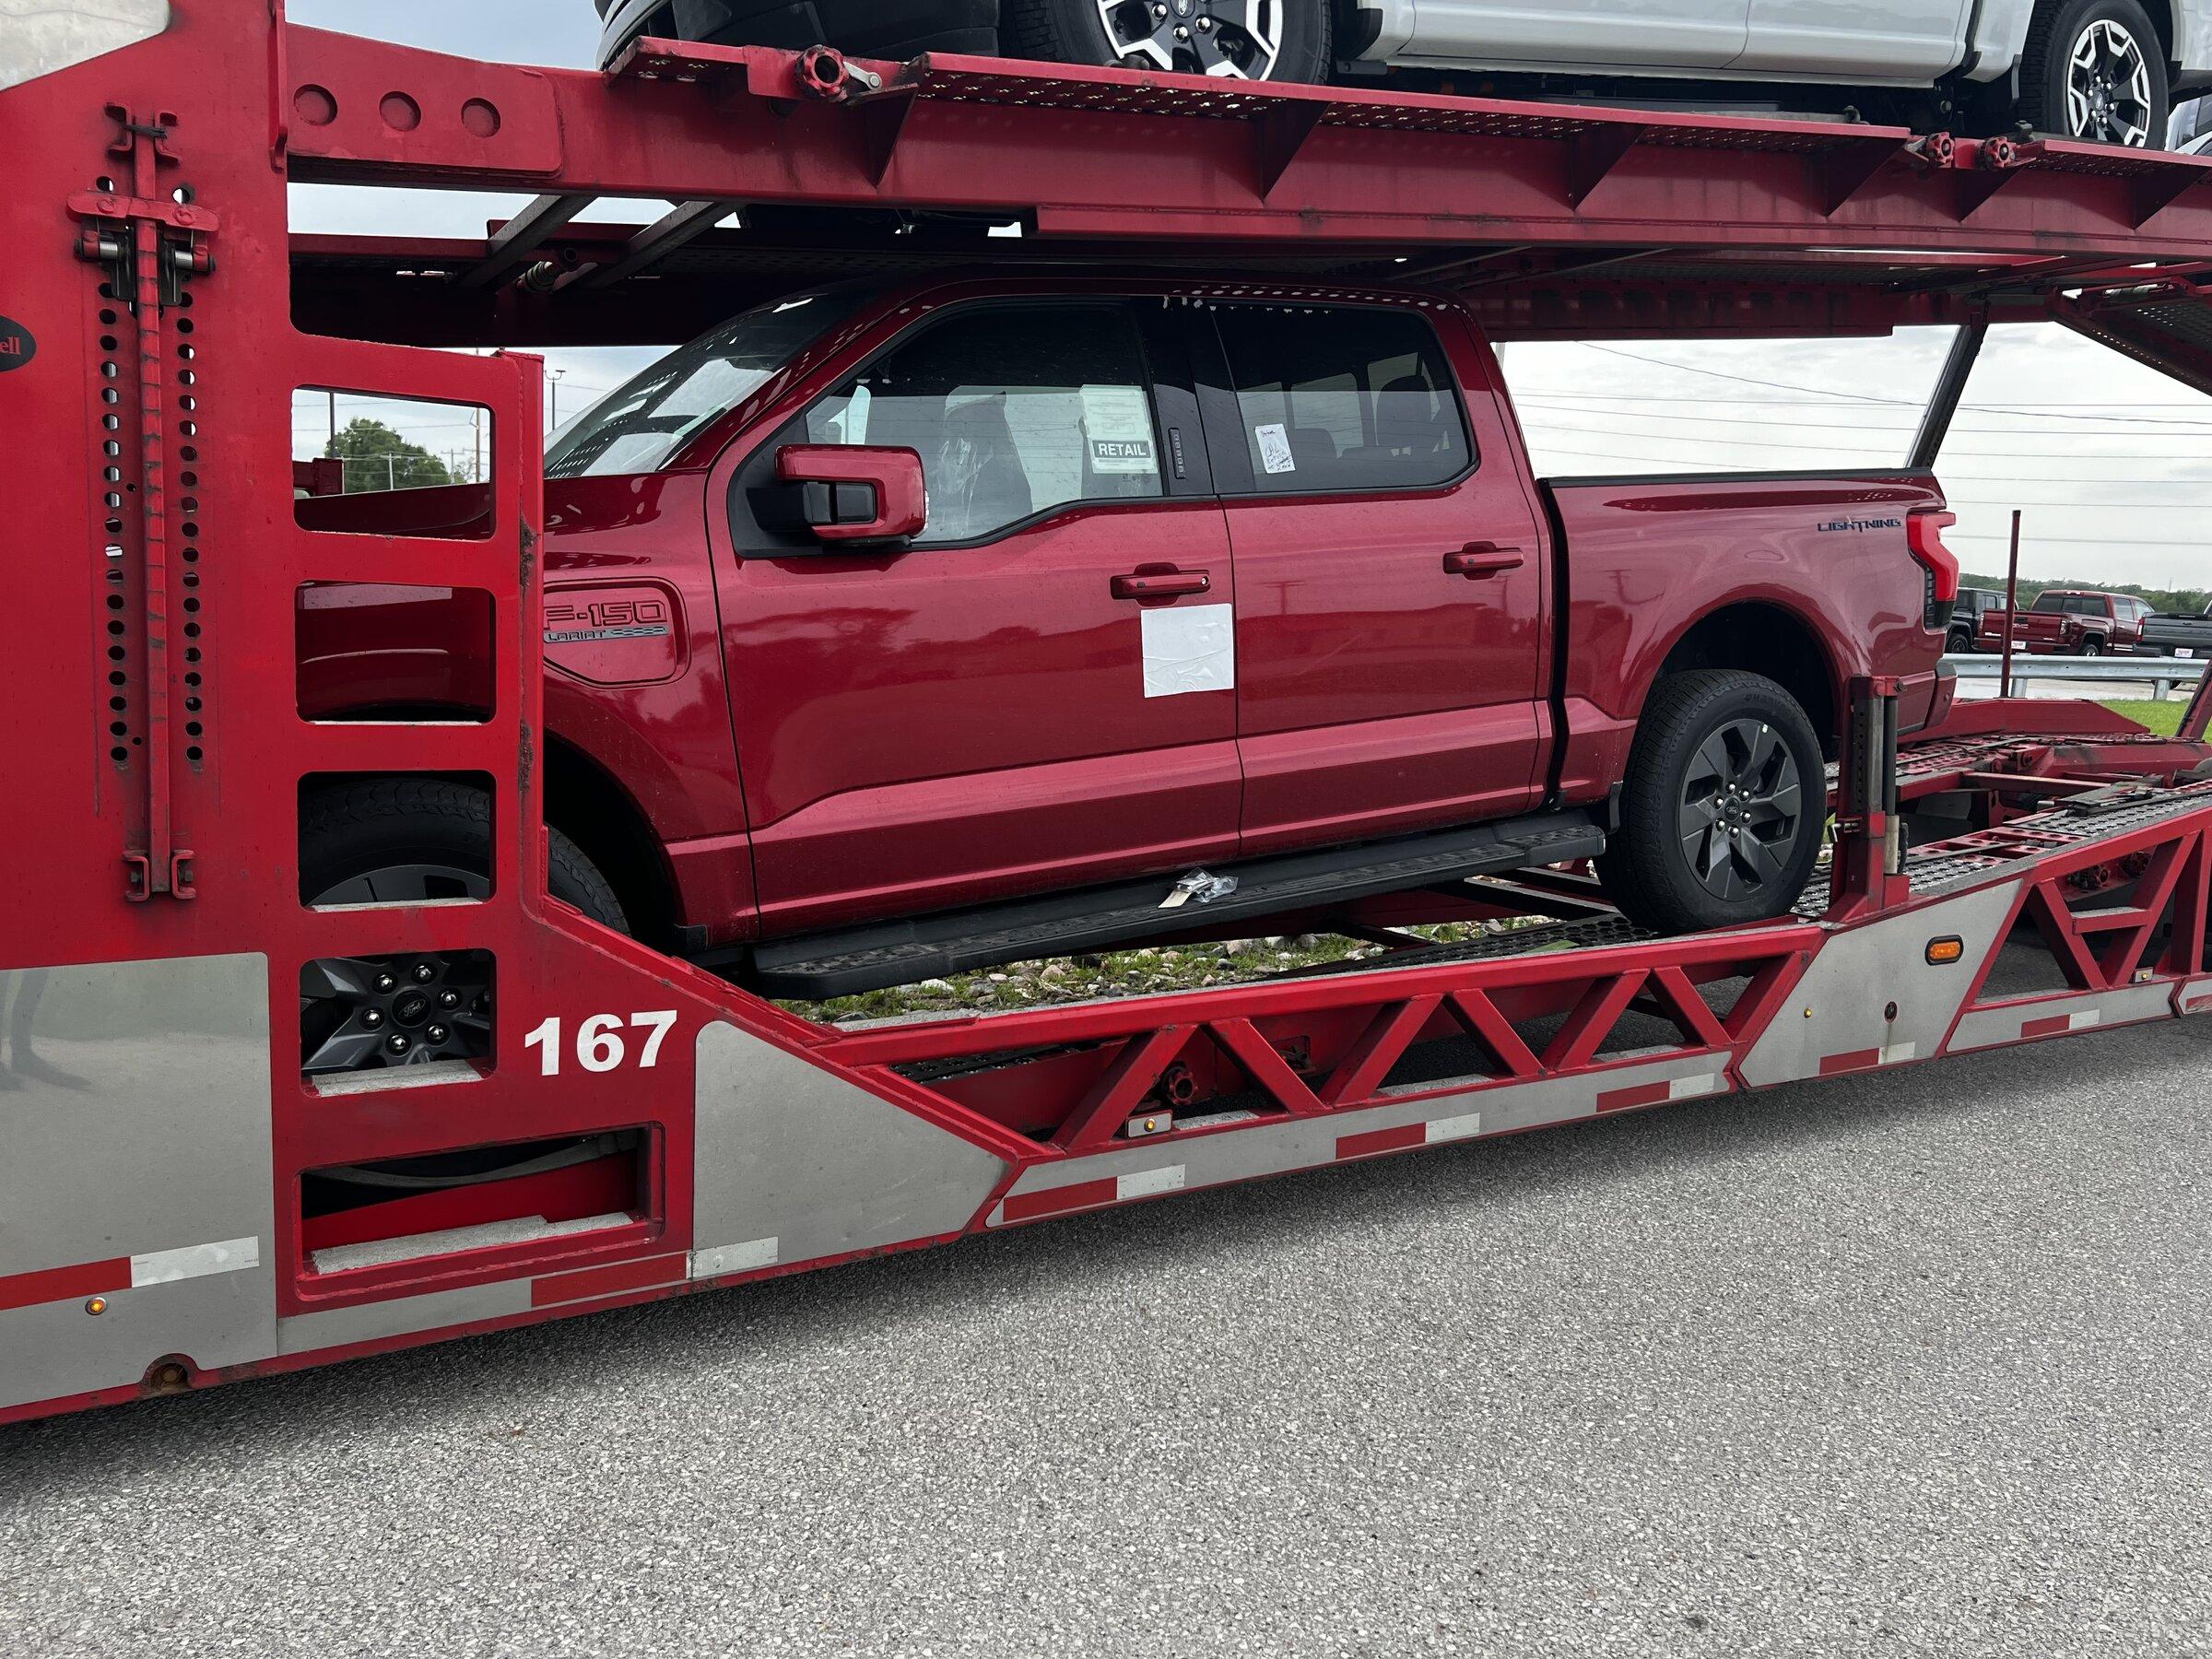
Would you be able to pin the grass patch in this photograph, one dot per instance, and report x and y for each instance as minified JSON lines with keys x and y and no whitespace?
{"x":2164,"y":718}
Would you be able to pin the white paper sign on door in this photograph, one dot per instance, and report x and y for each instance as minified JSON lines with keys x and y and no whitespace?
{"x":1275,"y":448}
{"x":1190,"y":648}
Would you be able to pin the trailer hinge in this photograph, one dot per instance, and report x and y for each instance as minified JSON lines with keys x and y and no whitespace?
{"x":150,"y":243}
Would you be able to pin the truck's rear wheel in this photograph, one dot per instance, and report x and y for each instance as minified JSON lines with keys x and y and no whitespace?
{"x":1236,"y":40}
{"x":2096,"y":69}
{"x":1724,"y":806}
{"x":398,"y":840}
{"x":2092,"y":647}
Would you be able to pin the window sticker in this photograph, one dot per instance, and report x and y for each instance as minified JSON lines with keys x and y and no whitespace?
{"x":1117,"y":422}
{"x":1275,"y":448}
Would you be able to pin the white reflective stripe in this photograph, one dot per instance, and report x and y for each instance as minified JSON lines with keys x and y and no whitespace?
{"x":1898,"y":1052}
{"x":733,"y":1258}
{"x":1689,"y":1088}
{"x":195,"y":1261}
{"x":1454,"y":1128}
{"x":2084,"y":1019}
{"x":1146,"y":1182}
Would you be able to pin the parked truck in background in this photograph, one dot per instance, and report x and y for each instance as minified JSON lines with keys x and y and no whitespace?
{"x":2071,"y":622}
{"x":2174,"y":634}
{"x":919,"y":602}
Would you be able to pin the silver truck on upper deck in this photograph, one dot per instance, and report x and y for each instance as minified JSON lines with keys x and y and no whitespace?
{"x":2099,"y":69}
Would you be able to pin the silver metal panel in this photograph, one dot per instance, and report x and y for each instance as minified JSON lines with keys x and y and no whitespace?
{"x":2195,"y":997}
{"x":1841,"y":1006}
{"x":134,"y":1124}
{"x":404,"y":1316}
{"x":1281,"y":1146}
{"x":2088,"y":1011}
{"x":38,"y":36}
{"x":789,"y":1152}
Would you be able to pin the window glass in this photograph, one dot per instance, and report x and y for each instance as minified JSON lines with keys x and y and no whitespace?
{"x":2049,"y":603}
{"x":1014,"y":410}
{"x":640,"y":425}
{"x":1343,"y":399}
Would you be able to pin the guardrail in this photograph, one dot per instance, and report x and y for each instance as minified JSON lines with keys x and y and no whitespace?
{"x":2162,"y":674}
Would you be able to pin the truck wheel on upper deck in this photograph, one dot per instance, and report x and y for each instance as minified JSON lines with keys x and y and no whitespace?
{"x":397,"y":840}
{"x":1238,"y":39}
{"x":1724,"y":806}
{"x":2096,"y":69}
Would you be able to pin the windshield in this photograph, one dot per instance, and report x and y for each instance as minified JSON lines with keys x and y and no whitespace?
{"x":637,"y":428}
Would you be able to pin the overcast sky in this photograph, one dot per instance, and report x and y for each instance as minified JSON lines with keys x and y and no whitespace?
{"x":2111,"y":462}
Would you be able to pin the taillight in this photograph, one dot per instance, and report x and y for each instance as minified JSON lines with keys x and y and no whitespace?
{"x":1924,"y":535}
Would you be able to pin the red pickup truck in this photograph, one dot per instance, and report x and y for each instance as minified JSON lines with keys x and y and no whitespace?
{"x":2071,"y":622}
{"x":897,"y":629}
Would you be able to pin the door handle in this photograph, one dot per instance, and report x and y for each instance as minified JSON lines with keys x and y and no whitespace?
{"x":1162,"y":584}
{"x":1480,"y":559}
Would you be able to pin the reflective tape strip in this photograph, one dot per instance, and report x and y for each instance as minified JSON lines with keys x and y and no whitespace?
{"x":1404,"y":1136}
{"x":1896,"y":1054}
{"x":65,"y":1284}
{"x":587,"y":1284}
{"x":1662,"y":1091}
{"x":1090,"y":1195}
{"x":734,"y":1258}
{"x":128,"y":1272}
{"x":195,"y":1261}
{"x":1143,"y":1183}
{"x":2053,"y":1025}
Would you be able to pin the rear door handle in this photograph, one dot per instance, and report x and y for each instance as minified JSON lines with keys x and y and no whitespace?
{"x":1162,"y":584}
{"x":1480,"y":559}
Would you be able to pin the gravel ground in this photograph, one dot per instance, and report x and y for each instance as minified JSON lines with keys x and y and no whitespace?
{"x":1911,"y":1365}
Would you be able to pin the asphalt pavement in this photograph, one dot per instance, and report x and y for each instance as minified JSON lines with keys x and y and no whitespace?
{"x":1914,"y":1364}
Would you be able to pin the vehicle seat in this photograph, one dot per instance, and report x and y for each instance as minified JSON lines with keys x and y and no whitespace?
{"x":977,"y":482}
{"x":1411,"y":420}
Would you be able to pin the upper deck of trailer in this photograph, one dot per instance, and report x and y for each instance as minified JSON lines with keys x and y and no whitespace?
{"x":1554,"y":220}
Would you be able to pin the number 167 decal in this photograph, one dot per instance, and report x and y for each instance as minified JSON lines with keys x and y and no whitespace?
{"x":599,"y":1042}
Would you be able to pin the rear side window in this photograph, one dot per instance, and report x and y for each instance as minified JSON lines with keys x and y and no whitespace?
{"x":1339,"y":400}
{"x":1013,"y":409}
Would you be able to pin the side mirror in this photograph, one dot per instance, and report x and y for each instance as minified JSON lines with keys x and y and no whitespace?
{"x":854,"y":496}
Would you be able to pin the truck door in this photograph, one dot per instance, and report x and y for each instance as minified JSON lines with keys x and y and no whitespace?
{"x":1390,"y":583}
{"x":1658,"y":34}
{"x":1038,"y":692}
{"x":1835,"y":39}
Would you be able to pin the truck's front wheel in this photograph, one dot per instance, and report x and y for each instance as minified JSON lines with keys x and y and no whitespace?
{"x":401,"y":840}
{"x":1724,"y":806}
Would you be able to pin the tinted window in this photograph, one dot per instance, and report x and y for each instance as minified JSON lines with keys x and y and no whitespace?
{"x":2051,"y":603}
{"x":2085,"y":605}
{"x":1014,"y":410}
{"x":1343,"y":400}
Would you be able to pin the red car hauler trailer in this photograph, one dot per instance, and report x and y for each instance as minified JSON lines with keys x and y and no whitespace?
{"x":179,"y":1206}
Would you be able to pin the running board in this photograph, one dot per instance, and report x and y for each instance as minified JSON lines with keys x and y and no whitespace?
{"x":899,"y":953}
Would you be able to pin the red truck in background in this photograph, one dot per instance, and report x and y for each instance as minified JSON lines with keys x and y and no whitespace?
{"x":2070,"y":622}
{"x":883,"y":613}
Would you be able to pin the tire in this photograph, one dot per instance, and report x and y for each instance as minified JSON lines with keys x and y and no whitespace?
{"x":1076,"y":31}
{"x":2092,"y":647}
{"x":1778,"y":820}
{"x":424,"y":838}
{"x":2060,"y":96}
{"x":1961,"y":643}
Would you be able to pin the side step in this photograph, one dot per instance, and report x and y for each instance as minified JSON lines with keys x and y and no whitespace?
{"x":899,"y":953}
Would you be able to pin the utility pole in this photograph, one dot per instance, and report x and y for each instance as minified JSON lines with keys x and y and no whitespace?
{"x":555,"y":375}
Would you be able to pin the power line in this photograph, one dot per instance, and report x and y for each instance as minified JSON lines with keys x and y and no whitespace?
{"x":1866,"y":397}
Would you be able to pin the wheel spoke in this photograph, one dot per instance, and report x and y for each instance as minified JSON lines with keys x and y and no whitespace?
{"x":347,"y":1048}
{"x":1763,"y":862}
